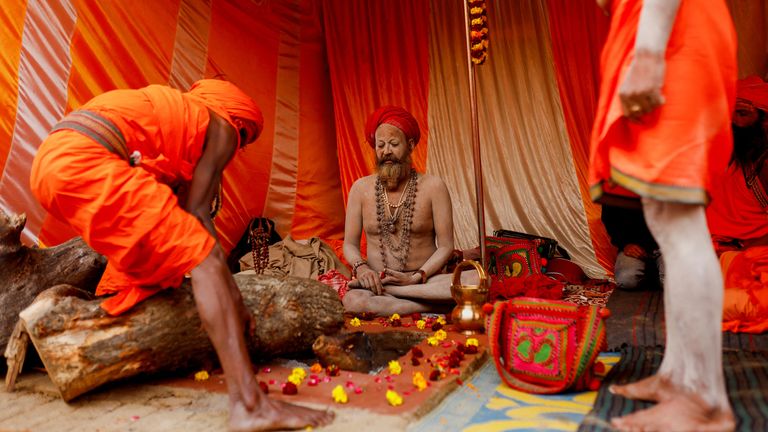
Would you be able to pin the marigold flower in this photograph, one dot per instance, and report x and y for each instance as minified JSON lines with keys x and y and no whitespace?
{"x":394,"y":317}
{"x":395,"y":368}
{"x":300,"y":372}
{"x":339,"y":395}
{"x":472,"y":342}
{"x":295,"y":379}
{"x":332,"y":370}
{"x":421,"y":324}
{"x":432,"y":341}
{"x":441,"y":335}
{"x":418,"y":381}
{"x":202,"y":376}
{"x":393,"y":398}
{"x":316,"y":368}
{"x":355,"y":322}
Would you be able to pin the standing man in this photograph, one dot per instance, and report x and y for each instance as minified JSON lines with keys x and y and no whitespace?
{"x":662,"y":127}
{"x":408,"y":222}
{"x":110,"y":170}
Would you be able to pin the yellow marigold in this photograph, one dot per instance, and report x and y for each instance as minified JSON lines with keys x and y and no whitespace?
{"x":432,"y":341}
{"x":355,"y":322}
{"x":420,"y":324}
{"x":202,"y":376}
{"x":395,"y":368}
{"x":418,"y":381}
{"x":300,"y":372}
{"x":394,"y":317}
{"x":441,"y":320}
{"x":440,"y":335}
{"x":393,"y":398}
{"x":316,"y":368}
{"x":472,"y":342}
{"x":476,"y":10}
{"x":339,"y":395}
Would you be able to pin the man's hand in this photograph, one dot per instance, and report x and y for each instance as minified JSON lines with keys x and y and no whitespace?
{"x":368,"y":279}
{"x":640,"y":92}
{"x":393,"y":277}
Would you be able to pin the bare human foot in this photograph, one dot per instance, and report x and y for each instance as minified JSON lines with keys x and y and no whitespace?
{"x":272,"y":414}
{"x":682,"y":412}
{"x":655,"y":388}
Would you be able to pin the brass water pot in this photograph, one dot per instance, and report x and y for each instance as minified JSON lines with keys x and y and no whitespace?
{"x":468,"y":314}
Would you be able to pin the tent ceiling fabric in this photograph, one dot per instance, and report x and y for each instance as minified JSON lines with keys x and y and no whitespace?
{"x":295,"y":58}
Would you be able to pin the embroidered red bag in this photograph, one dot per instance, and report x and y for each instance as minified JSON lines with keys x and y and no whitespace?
{"x":546,"y":346}
{"x":509,"y":260}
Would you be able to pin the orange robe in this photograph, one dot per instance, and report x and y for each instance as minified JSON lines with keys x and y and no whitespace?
{"x":735,"y":211}
{"x":745,"y":303}
{"x":130,"y":214}
{"x":671,"y":153}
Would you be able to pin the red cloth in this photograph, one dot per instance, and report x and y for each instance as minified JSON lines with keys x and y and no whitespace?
{"x":755,"y":90}
{"x":130,"y":214}
{"x":227,"y":100}
{"x":397,"y":117}
{"x":672,"y":152}
{"x":734,"y":211}
{"x":745,"y":302}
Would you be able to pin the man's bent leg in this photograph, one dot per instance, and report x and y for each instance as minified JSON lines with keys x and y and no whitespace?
{"x":629,"y":271}
{"x":359,"y":301}
{"x":250,"y":409}
{"x":689,"y":386}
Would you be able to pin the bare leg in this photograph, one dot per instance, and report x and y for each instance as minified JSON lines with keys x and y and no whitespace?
{"x":437,"y":288}
{"x":689,"y":386}
{"x":361,"y":300}
{"x":222,"y":313}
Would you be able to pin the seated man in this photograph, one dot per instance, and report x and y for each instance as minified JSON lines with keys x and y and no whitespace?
{"x":639,"y":263}
{"x":408,"y":223}
{"x":737,"y":214}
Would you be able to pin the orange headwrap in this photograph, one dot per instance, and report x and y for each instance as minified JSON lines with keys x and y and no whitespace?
{"x":223,"y":96}
{"x":755,"y":90}
{"x":395,"y":116}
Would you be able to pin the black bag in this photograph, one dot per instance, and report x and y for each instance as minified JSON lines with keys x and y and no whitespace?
{"x":548,"y":248}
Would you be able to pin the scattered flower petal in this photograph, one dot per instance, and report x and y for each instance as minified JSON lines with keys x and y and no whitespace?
{"x":202,"y":376}
{"x":393,"y":398}
{"x":339,"y":395}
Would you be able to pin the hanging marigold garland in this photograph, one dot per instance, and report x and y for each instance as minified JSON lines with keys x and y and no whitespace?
{"x":478,"y":31}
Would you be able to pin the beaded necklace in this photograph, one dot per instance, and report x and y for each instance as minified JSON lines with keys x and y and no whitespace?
{"x":388,"y":221}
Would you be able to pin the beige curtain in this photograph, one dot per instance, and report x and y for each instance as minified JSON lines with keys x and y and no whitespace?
{"x":530,"y":182}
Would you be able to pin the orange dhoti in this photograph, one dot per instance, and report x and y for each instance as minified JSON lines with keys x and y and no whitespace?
{"x":670,"y":154}
{"x":123,"y":213}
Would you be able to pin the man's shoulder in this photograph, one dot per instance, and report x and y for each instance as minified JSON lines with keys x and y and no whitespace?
{"x":431,"y":181}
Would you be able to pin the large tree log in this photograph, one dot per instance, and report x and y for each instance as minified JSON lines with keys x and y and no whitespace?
{"x":26,"y":272}
{"x":82,"y":347}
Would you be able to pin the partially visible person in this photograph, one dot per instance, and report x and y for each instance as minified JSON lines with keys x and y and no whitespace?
{"x":407,"y":218}
{"x":113,"y":169}
{"x":661,"y":129}
{"x":737,"y":215}
{"x":638,"y":263}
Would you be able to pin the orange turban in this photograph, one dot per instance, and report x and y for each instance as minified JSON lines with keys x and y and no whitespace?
{"x":223,"y":96}
{"x":755,"y":90}
{"x":395,"y":116}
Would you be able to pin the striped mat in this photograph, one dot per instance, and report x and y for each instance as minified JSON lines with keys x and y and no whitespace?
{"x":746,"y":375}
{"x":637,"y":319}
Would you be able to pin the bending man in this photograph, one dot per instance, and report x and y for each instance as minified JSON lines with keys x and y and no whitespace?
{"x":662,"y":128}
{"x":408,"y":223}
{"x":110,"y":170}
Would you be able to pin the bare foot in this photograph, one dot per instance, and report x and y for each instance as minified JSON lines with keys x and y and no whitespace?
{"x":275,"y":415}
{"x":680,"y":413}
{"x":655,"y":388}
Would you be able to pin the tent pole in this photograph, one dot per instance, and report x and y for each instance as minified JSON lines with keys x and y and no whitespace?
{"x":480,"y":207}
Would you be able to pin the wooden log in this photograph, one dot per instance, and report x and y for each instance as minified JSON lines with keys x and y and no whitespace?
{"x":26,"y":271}
{"x":82,"y":347}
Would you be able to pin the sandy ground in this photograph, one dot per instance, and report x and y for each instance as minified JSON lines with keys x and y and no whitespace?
{"x":36,"y":406}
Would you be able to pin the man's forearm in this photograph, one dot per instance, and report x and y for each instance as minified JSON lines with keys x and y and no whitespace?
{"x":656,"y":20}
{"x":437,"y":261}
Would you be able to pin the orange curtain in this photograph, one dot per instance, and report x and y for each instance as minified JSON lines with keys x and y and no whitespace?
{"x":578,"y":31}
{"x":11,"y":25}
{"x":378,"y":55}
